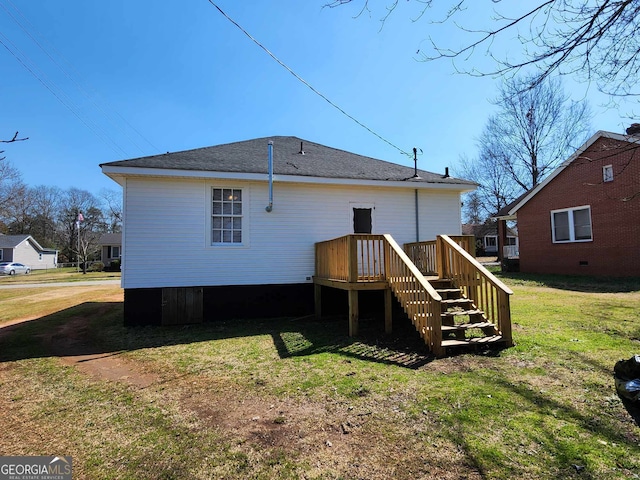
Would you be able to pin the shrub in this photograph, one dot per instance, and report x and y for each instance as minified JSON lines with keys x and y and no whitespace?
{"x":96,"y":267}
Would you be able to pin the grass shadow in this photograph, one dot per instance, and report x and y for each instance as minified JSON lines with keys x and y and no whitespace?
{"x":94,"y":328}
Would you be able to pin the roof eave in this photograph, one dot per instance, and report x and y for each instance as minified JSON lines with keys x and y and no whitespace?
{"x":119,"y":174}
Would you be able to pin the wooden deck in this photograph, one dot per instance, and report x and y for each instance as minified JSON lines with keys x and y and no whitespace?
{"x":376,"y":262}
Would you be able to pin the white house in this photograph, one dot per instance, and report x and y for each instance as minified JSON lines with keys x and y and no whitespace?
{"x":209,"y":223}
{"x":110,"y":248}
{"x":24,"y":249}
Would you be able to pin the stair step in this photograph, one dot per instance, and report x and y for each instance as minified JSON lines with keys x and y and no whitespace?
{"x":473,"y":341}
{"x":448,"y":290}
{"x":466,"y":326}
{"x":455,"y":313}
{"x":456,"y":301}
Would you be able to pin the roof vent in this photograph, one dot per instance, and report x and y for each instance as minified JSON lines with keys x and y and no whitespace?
{"x":634,"y":129}
{"x":301,"y":152}
{"x":446,"y":172}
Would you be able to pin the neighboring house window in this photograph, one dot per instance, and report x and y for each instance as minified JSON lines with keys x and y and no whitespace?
{"x":1,"y":253}
{"x":115,"y":252}
{"x":226,"y":216}
{"x":511,"y":241}
{"x":490,"y":241}
{"x":607,"y":173}
{"x":571,"y":225}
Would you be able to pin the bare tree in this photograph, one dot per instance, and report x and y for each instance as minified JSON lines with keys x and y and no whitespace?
{"x":472,"y":208}
{"x":14,"y":139}
{"x":598,"y":41}
{"x":78,"y":201}
{"x":46,"y":204}
{"x":112,"y":209}
{"x":533,"y":131}
{"x":11,"y":187}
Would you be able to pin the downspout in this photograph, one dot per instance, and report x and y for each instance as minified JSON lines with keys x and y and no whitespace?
{"x":269,"y":207}
{"x":417,"y":218}
{"x":416,"y":176}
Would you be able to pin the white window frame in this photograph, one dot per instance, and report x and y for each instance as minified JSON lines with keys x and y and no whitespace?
{"x":493,"y":238}
{"x":607,"y":173}
{"x":119,"y":251}
{"x":572,"y":230}
{"x":244,"y":231}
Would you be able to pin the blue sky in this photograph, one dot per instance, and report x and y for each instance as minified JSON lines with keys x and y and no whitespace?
{"x":145,"y":77}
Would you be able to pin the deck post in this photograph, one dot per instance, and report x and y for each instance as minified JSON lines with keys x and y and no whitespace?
{"x":353,"y":313}
{"x":352,"y":258}
{"x":504,"y":318}
{"x":317,"y":296}
{"x":440,"y":257}
{"x":388,"y":315}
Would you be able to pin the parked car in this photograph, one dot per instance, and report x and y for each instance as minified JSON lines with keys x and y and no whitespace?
{"x":13,"y":268}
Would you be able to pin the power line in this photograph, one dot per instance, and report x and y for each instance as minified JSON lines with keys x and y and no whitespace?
{"x":72,"y":74}
{"x":59,"y":94}
{"x":298,"y":77}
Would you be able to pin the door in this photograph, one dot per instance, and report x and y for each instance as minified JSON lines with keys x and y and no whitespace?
{"x":362,"y":220}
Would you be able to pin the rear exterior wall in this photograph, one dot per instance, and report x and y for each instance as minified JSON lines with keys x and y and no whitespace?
{"x":167,"y":229}
{"x":615,"y":215}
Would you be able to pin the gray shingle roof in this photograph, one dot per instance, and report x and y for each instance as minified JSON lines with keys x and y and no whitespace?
{"x":12,"y":241}
{"x":250,"y":156}
{"x":110,"y":239}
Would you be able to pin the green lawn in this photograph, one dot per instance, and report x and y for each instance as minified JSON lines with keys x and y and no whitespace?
{"x":57,"y":275}
{"x":297,"y":398}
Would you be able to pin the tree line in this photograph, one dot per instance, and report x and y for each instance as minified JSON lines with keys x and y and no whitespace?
{"x":50,"y":215}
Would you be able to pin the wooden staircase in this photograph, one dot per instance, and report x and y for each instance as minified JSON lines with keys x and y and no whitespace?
{"x":463,"y":324}
{"x":464,"y":305}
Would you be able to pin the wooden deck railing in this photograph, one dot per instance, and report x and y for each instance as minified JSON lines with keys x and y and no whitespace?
{"x":478,"y":284}
{"x":424,"y":256}
{"x":351,"y":258}
{"x":374,"y":258}
{"x":415,"y":294}
{"x":365,"y":258}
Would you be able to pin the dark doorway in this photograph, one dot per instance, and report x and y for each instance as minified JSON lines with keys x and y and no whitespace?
{"x":362,"y":220}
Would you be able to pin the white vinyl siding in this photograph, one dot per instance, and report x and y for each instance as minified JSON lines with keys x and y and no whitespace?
{"x":174,"y":216}
{"x":571,"y":225}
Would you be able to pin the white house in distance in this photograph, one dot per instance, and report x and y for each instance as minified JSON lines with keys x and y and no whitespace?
{"x":110,"y":248}
{"x":24,"y":249}
{"x":209,"y":223}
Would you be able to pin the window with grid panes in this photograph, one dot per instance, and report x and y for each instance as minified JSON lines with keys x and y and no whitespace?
{"x":226,"y":216}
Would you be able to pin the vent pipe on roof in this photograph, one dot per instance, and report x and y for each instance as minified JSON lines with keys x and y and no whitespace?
{"x":301,"y":152}
{"x":269,"y":207}
{"x":415,"y":163}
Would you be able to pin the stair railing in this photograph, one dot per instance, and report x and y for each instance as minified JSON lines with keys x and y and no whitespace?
{"x":478,"y":284}
{"x":419,"y":299}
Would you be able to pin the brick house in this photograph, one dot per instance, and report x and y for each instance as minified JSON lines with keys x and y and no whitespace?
{"x":584,"y":218}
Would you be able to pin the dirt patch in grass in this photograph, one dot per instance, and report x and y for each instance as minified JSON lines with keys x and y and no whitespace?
{"x":72,"y":345}
{"x":295,"y":436}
